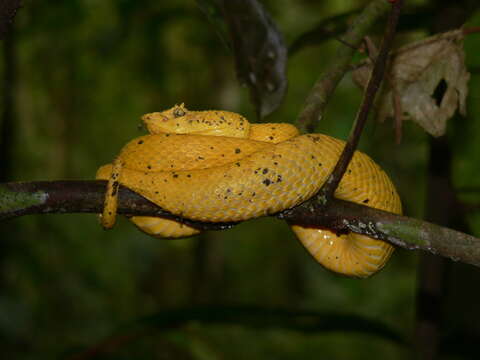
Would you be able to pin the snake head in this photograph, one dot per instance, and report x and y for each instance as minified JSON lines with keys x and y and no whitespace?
{"x":166,"y":121}
{"x":179,"y":120}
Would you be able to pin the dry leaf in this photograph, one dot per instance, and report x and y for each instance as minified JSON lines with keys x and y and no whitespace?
{"x":430,"y":81}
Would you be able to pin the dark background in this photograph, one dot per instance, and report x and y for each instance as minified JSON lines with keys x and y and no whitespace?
{"x":79,"y":75}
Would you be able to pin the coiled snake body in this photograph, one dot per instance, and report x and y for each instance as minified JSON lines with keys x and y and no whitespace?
{"x":214,"y":166}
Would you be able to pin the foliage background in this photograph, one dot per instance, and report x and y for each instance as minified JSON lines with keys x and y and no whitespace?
{"x":84,"y":73}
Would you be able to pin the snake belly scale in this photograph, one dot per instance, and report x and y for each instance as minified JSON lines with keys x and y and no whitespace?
{"x":214,"y":166}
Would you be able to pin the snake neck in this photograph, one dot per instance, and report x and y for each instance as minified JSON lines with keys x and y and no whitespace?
{"x":272,"y":132}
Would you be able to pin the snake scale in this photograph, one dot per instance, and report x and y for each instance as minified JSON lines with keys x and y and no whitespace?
{"x":215,"y":166}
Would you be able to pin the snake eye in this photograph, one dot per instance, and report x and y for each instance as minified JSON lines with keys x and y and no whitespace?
{"x":178,"y":112}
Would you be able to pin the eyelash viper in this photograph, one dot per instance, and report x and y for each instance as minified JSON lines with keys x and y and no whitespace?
{"x":215,"y":166}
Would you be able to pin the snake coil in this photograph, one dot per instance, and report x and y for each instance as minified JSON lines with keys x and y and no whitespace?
{"x":215,"y":166}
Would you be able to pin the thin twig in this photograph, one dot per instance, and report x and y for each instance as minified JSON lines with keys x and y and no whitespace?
{"x":323,"y":89}
{"x":368,"y":98}
{"x":327,"y":29}
{"x":25,"y":198}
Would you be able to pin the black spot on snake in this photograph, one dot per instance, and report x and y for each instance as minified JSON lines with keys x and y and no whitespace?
{"x":266,"y":182}
{"x":237,"y":151}
{"x":115,"y":188}
{"x":365,"y":201}
{"x":140,"y":142}
{"x":265,"y":171}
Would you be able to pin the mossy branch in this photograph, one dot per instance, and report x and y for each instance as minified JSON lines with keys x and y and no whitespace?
{"x":47,"y":197}
{"x":323,"y":89}
{"x":378,"y":72}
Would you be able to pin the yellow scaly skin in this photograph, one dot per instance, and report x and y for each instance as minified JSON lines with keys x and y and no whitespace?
{"x":214,"y":166}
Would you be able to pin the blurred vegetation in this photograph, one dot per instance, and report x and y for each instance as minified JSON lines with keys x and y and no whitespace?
{"x":85,"y":71}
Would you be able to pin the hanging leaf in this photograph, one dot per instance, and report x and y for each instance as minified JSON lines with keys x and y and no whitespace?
{"x":260,"y":53}
{"x":426,"y":83}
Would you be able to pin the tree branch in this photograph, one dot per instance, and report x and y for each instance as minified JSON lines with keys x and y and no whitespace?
{"x":61,"y":197}
{"x":26,"y":198}
{"x":401,"y":231}
{"x":373,"y":85}
{"x":323,"y":89}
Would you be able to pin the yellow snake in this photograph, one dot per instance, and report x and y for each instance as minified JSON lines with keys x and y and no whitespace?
{"x":215,"y":166}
